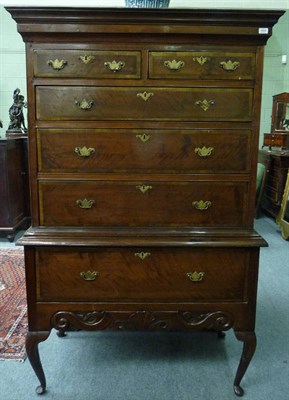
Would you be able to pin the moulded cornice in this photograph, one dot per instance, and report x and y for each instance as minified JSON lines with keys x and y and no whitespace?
{"x":75,"y":24}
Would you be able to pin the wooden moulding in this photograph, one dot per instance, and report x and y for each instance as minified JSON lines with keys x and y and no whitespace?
{"x":49,"y":21}
{"x":198,"y":237}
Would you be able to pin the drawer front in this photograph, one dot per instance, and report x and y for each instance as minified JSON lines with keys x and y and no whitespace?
{"x":134,"y":203}
{"x":87,"y":64}
{"x":142,"y":274}
{"x":273,"y":195}
{"x":143,"y":103}
{"x":269,"y":139}
{"x":275,"y":180}
{"x":94,"y":150}
{"x":201,"y":65}
{"x":276,"y":140}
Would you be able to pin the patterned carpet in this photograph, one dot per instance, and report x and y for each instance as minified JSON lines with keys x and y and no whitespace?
{"x":13,"y":307}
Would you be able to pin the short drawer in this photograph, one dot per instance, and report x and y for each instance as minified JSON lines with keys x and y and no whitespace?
{"x":143,"y":103}
{"x":273,"y":195}
{"x":138,"y":203}
{"x":142,"y":274}
{"x":104,"y":150}
{"x":87,"y":64}
{"x":201,"y":65}
{"x":273,"y":187}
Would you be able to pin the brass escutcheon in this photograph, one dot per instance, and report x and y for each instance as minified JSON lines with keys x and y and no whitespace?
{"x":57,"y":64}
{"x":145,"y":95}
{"x":195,"y":276}
{"x":86,"y":204}
{"x":84,"y":151}
{"x":114,"y":66}
{"x":204,"y":151}
{"x":142,"y":255}
{"x":89,"y":275}
{"x":174,"y":65}
{"x":202,"y":205}
{"x":144,"y":188}
{"x":201,"y":60}
{"x":205,"y":104}
{"x":230,"y":65}
{"x":144,"y":137}
{"x":86,"y":59}
{"x":85,"y":104}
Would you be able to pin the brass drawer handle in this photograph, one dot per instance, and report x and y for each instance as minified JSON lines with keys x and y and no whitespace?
{"x":202,"y":205}
{"x":85,"y":104}
{"x":86,"y":59}
{"x":86,"y":204}
{"x":195,"y":276}
{"x":144,"y":137}
{"x":114,"y":66}
{"x":174,"y":65}
{"x":201,"y":60}
{"x":145,"y":95}
{"x":230,"y":65}
{"x":142,"y":255}
{"x":204,"y":151}
{"x":205,"y":104}
{"x":89,"y":275}
{"x":57,"y":64}
{"x":84,"y":151}
{"x":144,"y":188}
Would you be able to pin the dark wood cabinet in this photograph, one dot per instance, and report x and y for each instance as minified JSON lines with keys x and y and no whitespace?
{"x":144,"y":127}
{"x":14,"y":187}
{"x":279,"y":135}
{"x":275,"y":180}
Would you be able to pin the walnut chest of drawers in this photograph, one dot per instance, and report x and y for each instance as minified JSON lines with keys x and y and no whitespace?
{"x":143,"y":132}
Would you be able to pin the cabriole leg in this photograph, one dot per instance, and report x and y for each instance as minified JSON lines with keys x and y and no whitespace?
{"x":61,"y":333}
{"x":32,"y":341}
{"x":249,"y":339}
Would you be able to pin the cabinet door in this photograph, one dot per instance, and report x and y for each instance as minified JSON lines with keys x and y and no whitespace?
{"x":12,"y":210}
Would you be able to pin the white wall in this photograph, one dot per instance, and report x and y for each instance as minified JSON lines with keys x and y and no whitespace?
{"x":276,"y":74}
{"x":12,"y":66}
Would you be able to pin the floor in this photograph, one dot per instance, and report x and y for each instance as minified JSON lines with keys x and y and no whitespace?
{"x":5,"y":243}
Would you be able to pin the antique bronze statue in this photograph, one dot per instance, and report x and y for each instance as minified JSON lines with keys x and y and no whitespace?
{"x":17,"y":121}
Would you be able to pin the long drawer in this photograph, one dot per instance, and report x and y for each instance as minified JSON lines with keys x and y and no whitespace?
{"x":87,"y":64}
{"x":94,"y":150}
{"x":143,"y":103}
{"x":201,"y":65}
{"x":137,"y":203}
{"x":141,"y":274}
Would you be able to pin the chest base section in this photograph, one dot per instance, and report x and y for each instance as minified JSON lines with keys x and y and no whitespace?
{"x":186,"y":281}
